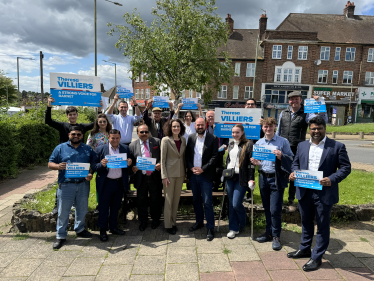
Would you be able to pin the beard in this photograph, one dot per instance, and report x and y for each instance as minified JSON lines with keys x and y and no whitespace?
{"x":75,"y":140}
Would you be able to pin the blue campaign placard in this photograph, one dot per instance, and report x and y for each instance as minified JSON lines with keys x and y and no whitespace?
{"x":117,"y":164}
{"x":189,"y":103}
{"x":308,"y":179}
{"x":313,"y":184}
{"x":146,"y":163}
{"x":77,"y":170}
{"x":225,"y":130}
{"x":313,"y":106}
{"x":117,"y":160}
{"x":161,"y":102}
{"x":77,"y":98}
{"x":264,"y":156}
{"x":124,"y":93}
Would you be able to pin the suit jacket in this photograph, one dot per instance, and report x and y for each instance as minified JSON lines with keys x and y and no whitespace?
{"x":102,"y":171}
{"x":172,"y":162}
{"x":209,"y":157}
{"x":334,"y":163}
{"x":154,"y":151}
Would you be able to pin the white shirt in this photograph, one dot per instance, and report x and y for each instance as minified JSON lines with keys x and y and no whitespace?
{"x":234,"y":158}
{"x":142,"y":149}
{"x":124,"y":124}
{"x":114,"y":173}
{"x":198,"y":156}
{"x":315,"y":154}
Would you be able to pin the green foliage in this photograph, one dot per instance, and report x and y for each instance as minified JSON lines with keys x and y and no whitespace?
{"x":226,"y":251}
{"x":351,"y":128}
{"x":178,"y":50}
{"x":21,"y":236}
{"x":6,"y":84}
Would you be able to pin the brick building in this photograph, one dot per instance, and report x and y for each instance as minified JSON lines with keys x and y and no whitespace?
{"x":320,"y":54}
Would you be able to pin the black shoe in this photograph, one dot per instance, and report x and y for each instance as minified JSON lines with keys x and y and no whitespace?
{"x":312,"y":265}
{"x":300,"y":254}
{"x":276,"y":244}
{"x":103,"y":236}
{"x":142,"y":226}
{"x":210,"y":235}
{"x":117,"y":231}
{"x":196,"y":226}
{"x":84,"y":234}
{"x":175,"y":228}
{"x":264,"y":238}
{"x":170,"y":231}
{"x":97,"y":209}
{"x":155,"y":224}
{"x":58,"y":244}
{"x":54,"y":211}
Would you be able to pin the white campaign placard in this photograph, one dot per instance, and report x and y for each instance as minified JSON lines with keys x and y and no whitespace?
{"x":146,"y":163}
{"x":189,"y":103}
{"x":77,"y":170}
{"x":117,"y":160}
{"x":161,"y":102}
{"x":308,"y":179}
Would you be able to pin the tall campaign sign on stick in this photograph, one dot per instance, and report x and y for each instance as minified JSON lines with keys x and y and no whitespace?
{"x":73,"y":89}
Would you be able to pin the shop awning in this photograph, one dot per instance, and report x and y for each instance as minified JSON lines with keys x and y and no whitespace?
{"x":367,"y":101}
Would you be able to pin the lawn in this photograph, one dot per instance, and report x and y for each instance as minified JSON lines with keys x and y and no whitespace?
{"x":351,"y":128}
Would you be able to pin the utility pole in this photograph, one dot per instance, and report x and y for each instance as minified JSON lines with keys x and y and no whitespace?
{"x":41,"y":76}
{"x":19,"y":93}
{"x":95,"y":42}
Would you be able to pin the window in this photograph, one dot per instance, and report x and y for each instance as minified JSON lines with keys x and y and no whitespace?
{"x":337,"y":53}
{"x":141,"y":94}
{"x":277,"y":51}
{"x":222,"y":64}
{"x":278,"y":72}
{"x":235,"y":94}
{"x":335,"y":77}
{"x":190,"y":93}
{"x":250,"y":70}
{"x":347,"y":77}
{"x":280,"y":97}
{"x":289,"y":52}
{"x":137,"y":79}
{"x":325,"y":53}
{"x":198,"y":94}
{"x":223,"y":93}
{"x":297,"y":75}
{"x":350,"y":54}
{"x":303,"y":53}
{"x":371,"y":55}
{"x":369,"y":78}
{"x":287,"y":73}
{"x":248,"y":92}
{"x":237,"y":69}
{"x":137,"y":94}
{"x":183,"y":94}
{"x":147,"y":93}
{"x":141,"y":76}
{"x":322,"y":76}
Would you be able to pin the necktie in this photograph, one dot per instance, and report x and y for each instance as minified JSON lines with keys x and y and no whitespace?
{"x":146,"y":154}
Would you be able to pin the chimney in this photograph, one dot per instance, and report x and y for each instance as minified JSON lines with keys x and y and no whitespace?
{"x":349,"y":10}
{"x":262,"y":24}
{"x":230,"y":23}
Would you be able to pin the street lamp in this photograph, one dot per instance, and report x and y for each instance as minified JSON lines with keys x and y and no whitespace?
{"x":115,"y":70}
{"x":115,"y":3}
{"x":18,"y":69}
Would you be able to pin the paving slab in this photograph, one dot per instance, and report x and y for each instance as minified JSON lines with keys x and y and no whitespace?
{"x":210,"y":247}
{"x":214,"y":276}
{"x":213,"y":262}
{"x":282,"y":262}
{"x":181,"y":255}
{"x":250,"y":271}
{"x":17,"y":245}
{"x":79,"y":278}
{"x":242,"y":253}
{"x":151,"y":277}
{"x":287,"y":275}
{"x":326,"y":271}
{"x":8,"y":258}
{"x":47,"y":274}
{"x":266,"y":247}
{"x":21,"y":267}
{"x":342,"y":258}
{"x":84,"y":266}
{"x":75,"y":244}
{"x":121,"y":255}
{"x":185,"y":272}
{"x":182,"y":241}
{"x":236,"y":241}
{"x":96,"y":249}
{"x":114,"y":273}
{"x":369,"y":262}
{"x":356,"y":274}
{"x":344,"y":236}
{"x":38,"y":250}
{"x":360,"y":249}
{"x":153,"y":248}
{"x":149,"y":265}
{"x":60,"y":258}
{"x":14,"y":279}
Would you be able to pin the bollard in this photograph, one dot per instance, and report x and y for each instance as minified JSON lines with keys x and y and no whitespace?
{"x":333,"y":135}
{"x":361,"y":135}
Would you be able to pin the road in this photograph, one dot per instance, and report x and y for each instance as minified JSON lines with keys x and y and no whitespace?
{"x":357,"y":153}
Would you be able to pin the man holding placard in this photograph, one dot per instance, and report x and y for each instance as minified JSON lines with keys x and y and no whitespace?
{"x":112,"y":179}
{"x":292,"y":125}
{"x":145,"y":153}
{"x":123,"y":122}
{"x":157,"y":122}
{"x":317,"y":193}
{"x":72,"y":160}
{"x":274,"y":156}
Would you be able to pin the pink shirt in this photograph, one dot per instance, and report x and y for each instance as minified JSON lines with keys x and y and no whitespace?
{"x":117,"y":172}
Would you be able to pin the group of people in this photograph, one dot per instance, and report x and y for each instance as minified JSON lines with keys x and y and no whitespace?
{"x":191,"y":149}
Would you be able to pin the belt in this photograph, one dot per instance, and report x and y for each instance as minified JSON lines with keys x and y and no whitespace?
{"x":146,"y":175}
{"x":76,"y":181}
{"x":268,"y":175}
{"x":117,"y":179}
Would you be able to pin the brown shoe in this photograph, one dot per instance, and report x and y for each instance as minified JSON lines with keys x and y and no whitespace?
{"x":291,"y":206}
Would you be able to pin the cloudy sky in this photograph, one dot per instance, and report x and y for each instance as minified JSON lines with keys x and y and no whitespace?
{"x":64,"y":31}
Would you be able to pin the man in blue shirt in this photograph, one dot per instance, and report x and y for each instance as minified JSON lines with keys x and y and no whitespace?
{"x":72,"y":190}
{"x":273,"y":180}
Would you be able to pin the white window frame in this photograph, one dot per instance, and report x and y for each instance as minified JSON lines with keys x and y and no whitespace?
{"x":142,"y":94}
{"x":371,"y":55}
{"x":323,"y":75}
{"x":277,"y":52}
{"x":289,"y":52}
{"x":141,"y":76}
{"x":338,"y":51}
{"x":335,"y":73}
{"x":137,"y":79}
{"x":297,"y":75}
{"x":352,"y":52}
{"x":281,"y":71}
{"x":348,"y":74}
{"x":248,"y":93}
{"x":302,"y":50}
{"x":147,"y":93}
{"x":325,"y":53}
{"x":199,"y":94}
{"x":235,"y":92}
{"x":184,"y":94}
{"x":222,"y":94}
{"x":250,"y":71}
{"x":369,"y":78}
{"x":190,"y":92}
{"x":137,"y":94}
{"x":237,"y":69}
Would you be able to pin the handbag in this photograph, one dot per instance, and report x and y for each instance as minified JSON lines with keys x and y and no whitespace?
{"x":228,"y":173}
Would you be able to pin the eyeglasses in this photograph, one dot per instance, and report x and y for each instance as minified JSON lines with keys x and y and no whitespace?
{"x":74,"y":134}
{"x":144,"y":132}
{"x":101,"y":122}
{"x":251,"y":104}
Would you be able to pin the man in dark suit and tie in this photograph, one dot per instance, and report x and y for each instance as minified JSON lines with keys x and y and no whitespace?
{"x":147,"y":181}
{"x":110,"y":184}
{"x":201,"y":155}
{"x":318,"y":154}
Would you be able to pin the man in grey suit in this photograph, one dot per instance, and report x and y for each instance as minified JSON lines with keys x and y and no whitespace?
{"x":147,"y":181}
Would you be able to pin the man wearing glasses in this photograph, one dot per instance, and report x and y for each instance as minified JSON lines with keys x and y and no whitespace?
{"x":147,"y":181}
{"x":156,"y":123}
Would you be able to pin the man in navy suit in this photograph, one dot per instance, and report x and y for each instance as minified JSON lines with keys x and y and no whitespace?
{"x":318,"y":154}
{"x":110,"y":184}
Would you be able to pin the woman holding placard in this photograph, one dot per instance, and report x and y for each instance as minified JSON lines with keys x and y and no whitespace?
{"x":173,"y":170}
{"x":189,"y":120}
{"x":241,"y":175}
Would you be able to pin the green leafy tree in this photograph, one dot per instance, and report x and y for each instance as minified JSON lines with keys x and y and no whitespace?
{"x":6,"y":84}
{"x":178,"y":50}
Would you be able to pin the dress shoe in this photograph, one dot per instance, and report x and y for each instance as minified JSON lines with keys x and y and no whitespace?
{"x":143,"y":226}
{"x":97,"y":209}
{"x":155,"y":224}
{"x":58,"y":244}
{"x":103,"y":236}
{"x":175,"y":228}
{"x":300,"y":254}
{"x":276,"y":244}
{"x":84,"y":234}
{"x":196,"y":226}
{"x":312,"y":265}
{"x":210,"y":235}
{"x":117,"y":231}
{"x":170,"y":231}
{"x":54,"y":211}
{"x":264,"y":238}
{"x":291,"y":206}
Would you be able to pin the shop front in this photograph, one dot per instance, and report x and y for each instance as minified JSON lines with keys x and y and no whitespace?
{"x":226,"y":104}
{"x":341,"y":103}
{"x":365,"y":108}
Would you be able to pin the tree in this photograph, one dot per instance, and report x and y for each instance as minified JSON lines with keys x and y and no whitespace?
{"x":179,"y":49}
{"x":6,"y":84}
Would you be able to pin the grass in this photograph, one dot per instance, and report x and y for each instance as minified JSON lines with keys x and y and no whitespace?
{"x":226,"y":251}
{"x":364,"y":239}
{"x":351,"y":128}
{"x":21,"y":236}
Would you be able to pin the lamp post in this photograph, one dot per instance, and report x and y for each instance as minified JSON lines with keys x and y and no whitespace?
{"x":115,"y":71}
{"x":115,"y":3}
{"x":18,"y":58}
